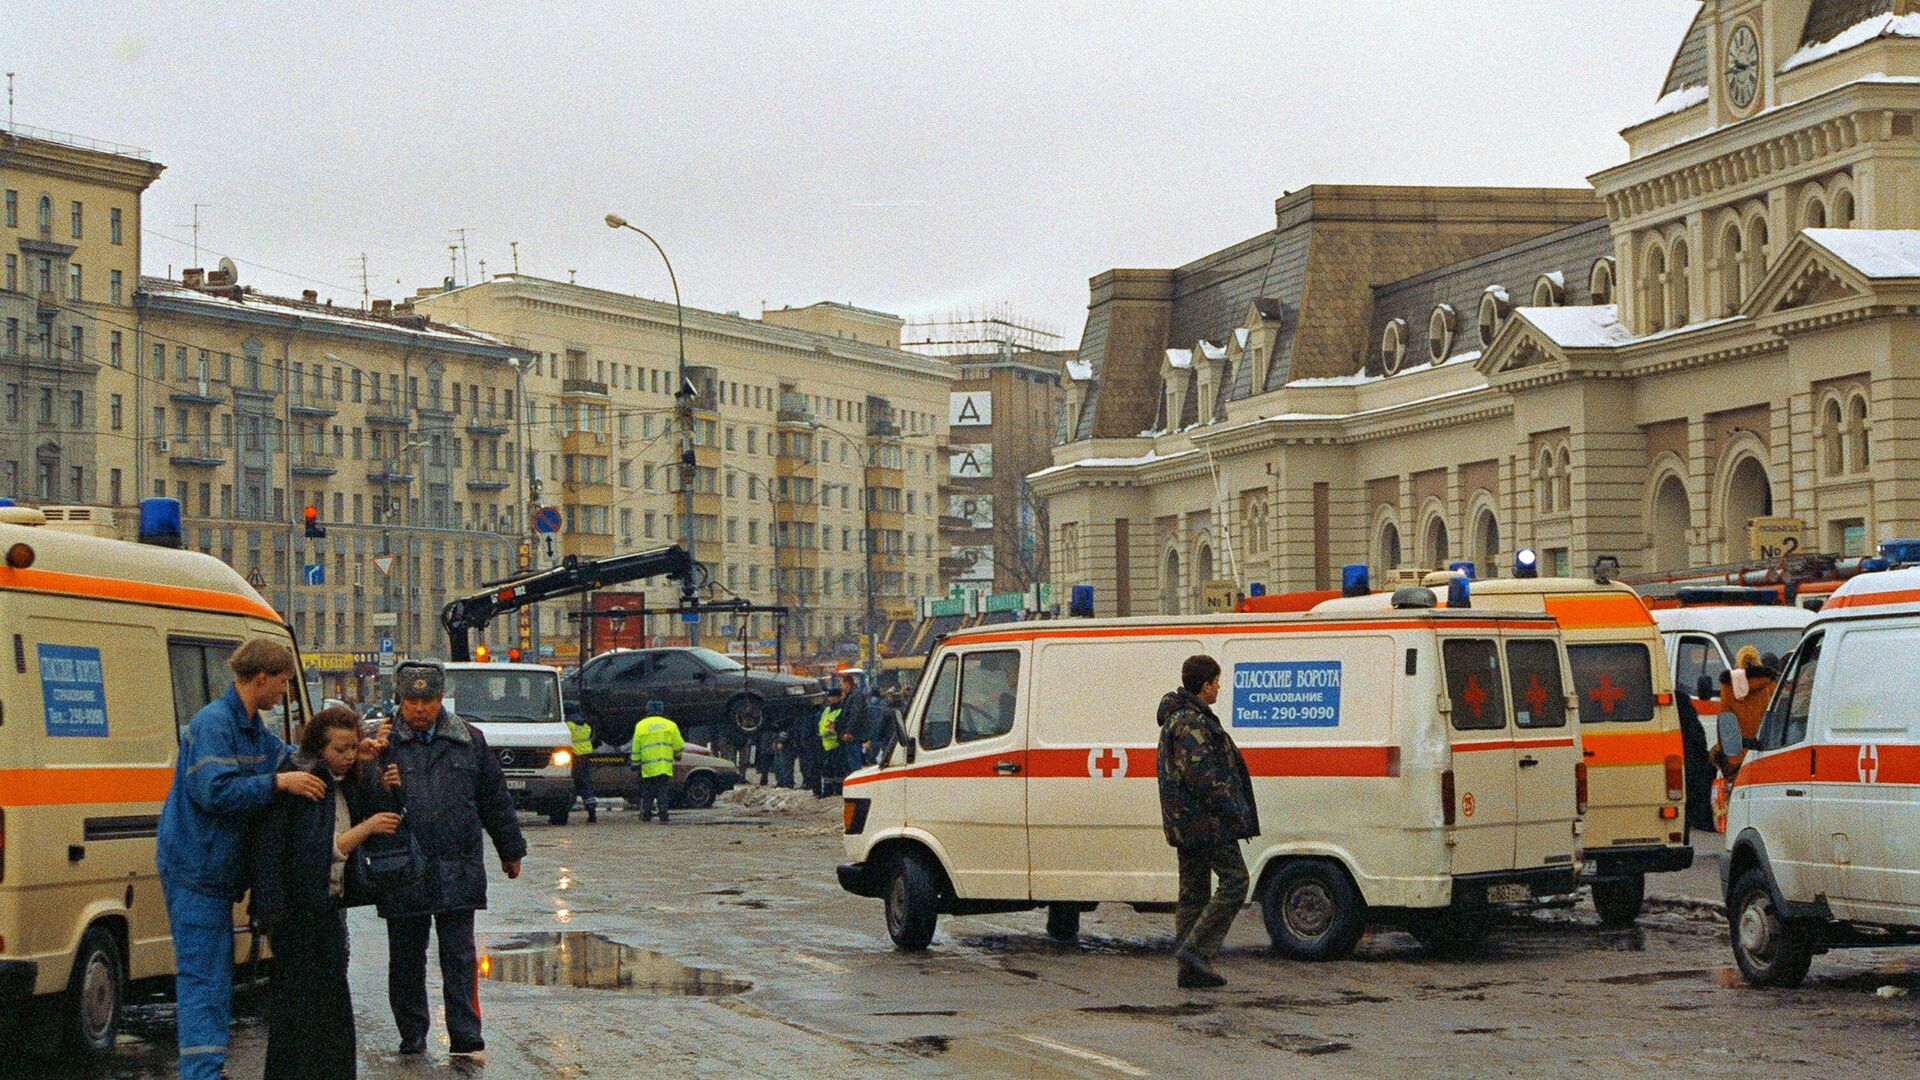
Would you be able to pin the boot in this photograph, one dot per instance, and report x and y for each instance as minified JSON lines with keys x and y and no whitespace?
{"x":1195,"y":972}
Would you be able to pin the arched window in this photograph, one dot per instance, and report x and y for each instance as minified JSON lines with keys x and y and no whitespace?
{"x":1814,"y":215}
{"x":1759,"y":250}
{"x":1672,"y":517}
{"x":1600,"y":280}
{"x":1653,"y":289}
{"x":1393,"y":346}
{"x":1170,"y":585}
{"x":46,"y":213}
{"x":1563,"y":480}
{"x":1550,"y":289}
{"x":1486,"y":543}
{"x":1749,"y":495}
{"x":1733,"y":261}
{"x":1843,"y":210}
{"x":1387,"y":549}
{"x":1440,"y":327}
{"x":1202,"y":572}
{"x":1833,"y":453}
{"x":1494,"y":306}
{"x":1859,"y":457}
{"x":1437,"y":548}
{"x":1678,"y":265}
{"x":1543,"y":483}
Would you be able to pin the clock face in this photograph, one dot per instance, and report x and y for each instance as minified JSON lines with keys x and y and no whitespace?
{"x":1743,"y":66}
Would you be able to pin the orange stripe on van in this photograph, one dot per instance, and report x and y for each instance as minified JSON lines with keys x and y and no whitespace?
{"x":1601,"y":612}
{"x":1055,"y":763}
{"x":134,"y":592}
{"x":1614,"y":748}
{"x":76,"y":787}
{"x":1510,"y":744}
{"x":1303,"y":627}
{"x":1875,"y":599}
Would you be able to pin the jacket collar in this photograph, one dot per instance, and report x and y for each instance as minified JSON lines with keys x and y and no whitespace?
{"x":449,"y":727}
{"x":246,"y":721}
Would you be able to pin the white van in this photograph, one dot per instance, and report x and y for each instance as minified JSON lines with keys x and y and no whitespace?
{"x":518,"y":710}
{"x":1822,"y":846}
{"x":1411,"y":767}
{"x":1702,"y":642}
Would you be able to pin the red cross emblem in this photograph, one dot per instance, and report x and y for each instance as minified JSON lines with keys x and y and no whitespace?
{"x":1106,"y":762}
{"x":1869,"y":763}
{"x":1474,"y":696}
{"x":1606,"y":694}
{"x":1536,"y":694}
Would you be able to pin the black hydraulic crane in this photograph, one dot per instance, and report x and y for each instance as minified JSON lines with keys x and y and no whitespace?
{"x":572,"y":577}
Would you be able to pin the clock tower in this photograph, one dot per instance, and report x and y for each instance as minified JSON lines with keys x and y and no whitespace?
{"x":1748,"y":42}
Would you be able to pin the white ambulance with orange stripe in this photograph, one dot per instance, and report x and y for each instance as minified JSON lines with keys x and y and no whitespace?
{"x":107,"y":649}
{"x":1823,"y":843}
{"x":1411,"y":767}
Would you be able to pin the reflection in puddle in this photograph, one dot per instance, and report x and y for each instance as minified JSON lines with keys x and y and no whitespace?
{"x":589,"y":961}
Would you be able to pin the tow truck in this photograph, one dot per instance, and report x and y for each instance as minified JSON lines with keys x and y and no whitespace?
{"x":572,"y":577}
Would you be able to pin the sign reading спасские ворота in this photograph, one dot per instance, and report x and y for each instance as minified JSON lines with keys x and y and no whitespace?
{"x":1301,"y":693}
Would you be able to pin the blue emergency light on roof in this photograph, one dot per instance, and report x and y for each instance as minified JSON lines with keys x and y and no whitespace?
{"x":1465,"y":568}
{"x":1874,"y":565}
{"x":1354,"y":580}
{"x":1901,"y":552}
{"x":1256,"y":588}
{"x":5,"y":503}
{"x":160,"y":522}
{"x":1080,"y":602}
{"x":1526,"y":563}
{"x":1459,"y":592}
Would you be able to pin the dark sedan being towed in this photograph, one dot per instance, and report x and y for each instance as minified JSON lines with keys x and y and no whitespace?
{"x":711,"y":696}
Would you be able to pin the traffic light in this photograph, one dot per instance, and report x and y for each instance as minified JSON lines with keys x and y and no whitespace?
{"x":480,"y":654}
{"x":513,"y":655}
{"x":315,"y":530}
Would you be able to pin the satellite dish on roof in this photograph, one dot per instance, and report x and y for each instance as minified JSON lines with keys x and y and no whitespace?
{"x":226,"y":274}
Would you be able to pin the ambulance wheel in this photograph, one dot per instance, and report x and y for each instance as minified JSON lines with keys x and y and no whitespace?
{"x":1312,"y":911}
{"x":1446,"y":933}
{"x":558,"y":815}
{"x":1619,"y":899}
{"x":913,"y":903}
{"x":96,"y":993}
{"x":1063,"y":922}
{"x":1771,"y":950}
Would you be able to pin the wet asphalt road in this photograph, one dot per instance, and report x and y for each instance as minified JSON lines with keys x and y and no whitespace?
{"x":739,"y":956}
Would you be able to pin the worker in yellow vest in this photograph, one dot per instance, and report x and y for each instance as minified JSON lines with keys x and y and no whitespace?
{"x":831,"y":771}
{"x":582,"y":733}
{"x":656,"y":746}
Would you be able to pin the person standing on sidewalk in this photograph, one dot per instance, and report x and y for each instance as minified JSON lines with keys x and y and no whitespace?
{"x":1206,"y":809}
{"x":223,"y":781}
{"x":656,"y":746}
{"x":828,"y":740}
{"x":454,"y":797}
{"x":581,"y":733}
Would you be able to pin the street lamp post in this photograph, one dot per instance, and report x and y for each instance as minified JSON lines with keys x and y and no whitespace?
{"x":683,"y":414}
{"x":526,"y":495}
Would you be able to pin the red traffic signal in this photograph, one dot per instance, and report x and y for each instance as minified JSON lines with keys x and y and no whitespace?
{"x":513,"y":654}
{"x":312,"y":517}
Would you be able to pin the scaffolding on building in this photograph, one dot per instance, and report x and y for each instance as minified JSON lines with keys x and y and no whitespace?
{"x":994,"y":328}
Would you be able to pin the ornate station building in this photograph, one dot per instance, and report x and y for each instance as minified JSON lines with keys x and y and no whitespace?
{"x":1725,"y":328}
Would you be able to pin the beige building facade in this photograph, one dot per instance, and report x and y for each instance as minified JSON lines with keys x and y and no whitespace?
{"x":1722,"y":330}
{"x":813,"y":430}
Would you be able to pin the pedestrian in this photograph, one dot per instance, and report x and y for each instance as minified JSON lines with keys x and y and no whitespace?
{"x":783,"y":756}
{"x":454,"y":797}
{"x":225,"y":776}
{"x":1698,"y":765}
{"x":1745,"y":689}
{"x":763,"y":751}
{"x":855,"y":726}
{"x":306,"y":874}
{"x":656,"y":746}
{"x":803,"y":734}
{"x":828,"y":740}
{"x":582,"y":735}
{"x":1206,"y":809}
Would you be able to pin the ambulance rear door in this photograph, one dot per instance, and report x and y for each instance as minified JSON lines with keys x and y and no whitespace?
{"x":1480,"y":730}
{"x":968,"y":784}
{"x":1546,"y":752}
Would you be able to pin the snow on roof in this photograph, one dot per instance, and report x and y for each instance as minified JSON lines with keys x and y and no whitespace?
{"x":285,"y":306}
{"x":1079,"y":370}
{"x":1211,"y":351}
{"x":1559,"y":279}
{"x":1498,"y":292}
{"x":1859,"y":33}
{"x":1110,"y":462}
{"x":1241,"y":337}
{"x":1579,"y":327}
{"x":1877,"y":253}
{"x":1679,"y":101}
{"x":1180,"y":358}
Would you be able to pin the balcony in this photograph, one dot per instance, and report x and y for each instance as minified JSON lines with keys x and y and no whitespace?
{"x":383,"y":473}
{"x":489,"y":479}
{"x":315,"y":409}
{"x":314,"y":465}
{"x":196,"y":396}
{"x":583,"y":386}
{"x":886,"y":519}
{"x":591,"y":443}
{"x":794,"y":410}
{"x":193,"y":453}
{"x":489,"y":425}
{"x":388,"y":414}
{"x":47,"y":304}
{"x":797,"y":558}
{"x":796,"y":510}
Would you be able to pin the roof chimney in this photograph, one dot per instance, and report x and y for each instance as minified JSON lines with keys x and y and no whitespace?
{"x":193,"y":277}
{"x":311,"y":296}
{"x":383,"y":307}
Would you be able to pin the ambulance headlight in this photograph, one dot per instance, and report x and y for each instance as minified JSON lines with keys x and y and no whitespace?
{"x":562,"y":758}
{"x":1526,"y":563}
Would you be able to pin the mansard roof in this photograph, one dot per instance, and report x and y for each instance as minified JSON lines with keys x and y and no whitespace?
{"x":1689,"y":67}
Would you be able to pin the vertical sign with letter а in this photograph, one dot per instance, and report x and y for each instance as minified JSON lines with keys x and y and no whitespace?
{"x":970,"y":408}
{"x":73,"y":692}
{"x":970,"y":461}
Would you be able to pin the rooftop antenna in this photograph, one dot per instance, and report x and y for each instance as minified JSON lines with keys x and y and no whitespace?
{"x":453,"y":260}
{"x":466,"y":273}
{"x":196,"y":230}
{"x":9,"y":101}
{"x":514,"y":245}
{"x":483,"y":269}
{"x":366,"y":293}
{"x":570,"y":273}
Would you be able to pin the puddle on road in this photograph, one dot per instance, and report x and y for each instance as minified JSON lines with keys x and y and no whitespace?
{"x":592,"y":962}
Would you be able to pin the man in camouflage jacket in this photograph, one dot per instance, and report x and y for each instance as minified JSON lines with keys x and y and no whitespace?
{"x":1206,"y":808}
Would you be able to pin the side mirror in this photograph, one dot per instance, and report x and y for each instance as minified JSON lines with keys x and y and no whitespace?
{"x":1703,"y":689}
{"x":1732,"y":741}
{"x":908,"y":744}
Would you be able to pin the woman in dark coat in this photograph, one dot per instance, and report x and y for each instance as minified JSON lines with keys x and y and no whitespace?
{"x":306,"y":875}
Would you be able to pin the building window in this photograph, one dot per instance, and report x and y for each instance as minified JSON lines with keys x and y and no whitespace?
{"x":1440,"y":327}
{"x":13,"y":209}
{"x":113,"y":225}
{"x":113,"y":412}
{"x":113,"y":347}
{"x":1550,"y":289}
{"x":1494,"y":306}
{"x":73,"y":281}
{"x":113,"y":286}
{"x":1393,"y":349}
{"x":1653,"y":289}
{"x":1732,"y":268}
{"x":46,"y":214}
{"x":76,"y":221}
{"x":13,"y":273}
{"x":1859,"y":456}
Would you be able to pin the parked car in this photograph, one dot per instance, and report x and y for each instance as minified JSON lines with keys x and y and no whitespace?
{"x":711,"y":696}
{"x":698,"y":777}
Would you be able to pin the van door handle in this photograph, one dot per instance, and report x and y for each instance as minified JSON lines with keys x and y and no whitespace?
{"x":1795,"y":793}
{"x":1528,"y":762}
{"x":1006,"y":768}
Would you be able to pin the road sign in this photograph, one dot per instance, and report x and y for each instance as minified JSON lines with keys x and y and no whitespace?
{"x":547,"y":519}
{"x":385,"y":618}
{"x":256,"y":579}
{"x":384,"y":564}
{"x":689,"y":616}
{"x":313,"y":573}
{"x":387,"y":663}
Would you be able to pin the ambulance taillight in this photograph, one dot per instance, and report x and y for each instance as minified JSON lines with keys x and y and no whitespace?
{"x":1446,"y":797}
{"x":1676,"y":779}
{"x":1580,"y":789}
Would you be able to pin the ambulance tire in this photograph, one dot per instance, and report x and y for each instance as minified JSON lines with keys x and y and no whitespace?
{"x":1447,"y":933}
{"x":913,"y":902}
{"x":557,"y":815}
{"x":1771,"y":950}
{"x":1313,"y":911}
{"x":1618,"y":900}
{"x":1063,"y":922}
{"x":90,"y":1010}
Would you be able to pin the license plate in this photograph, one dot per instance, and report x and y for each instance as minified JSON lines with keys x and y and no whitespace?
{"x":516,"y":785}
{"x":1509,"y":893}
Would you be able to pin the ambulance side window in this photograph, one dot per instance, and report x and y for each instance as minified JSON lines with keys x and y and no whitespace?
{"x":988,"y":681}
{"x":1474,"y":684}
{"x":1614,"y":682}
{"x":1696,"y":658}
{"x":1539,"y":699}
{"x":1786,"y":722}
{"x":936,"y":719}
{"x":200,"y":674}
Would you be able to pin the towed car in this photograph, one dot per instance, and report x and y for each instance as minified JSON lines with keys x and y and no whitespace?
{"x":698,"y":776}
{"x":711,"y":696}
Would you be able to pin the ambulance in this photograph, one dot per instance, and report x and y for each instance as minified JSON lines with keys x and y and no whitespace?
{"x":107,"y":649}
{"x":1702,"y":641}
{"x":1822,"y":849}
{"x":1412,"y":767}
{"x":1629,"y":728}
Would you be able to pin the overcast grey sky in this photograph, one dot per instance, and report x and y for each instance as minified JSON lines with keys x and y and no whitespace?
{"x":914,"y":157}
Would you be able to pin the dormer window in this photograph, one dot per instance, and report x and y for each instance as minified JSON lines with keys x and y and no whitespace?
{"x":1494,"y":306}
{"x":1393,"y":346}
{"x":1440,"y":327}
{"x":1550,"y":289}
{"x":1600,"y":280}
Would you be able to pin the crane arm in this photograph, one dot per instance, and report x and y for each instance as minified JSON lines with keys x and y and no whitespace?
{"x":572,"y":577}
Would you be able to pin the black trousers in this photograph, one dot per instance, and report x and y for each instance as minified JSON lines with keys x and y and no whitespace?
{"x":583,"y":781}
{"x":459,"y":972}
{"x":310,"y":1021}
{"x":652,"y":794}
